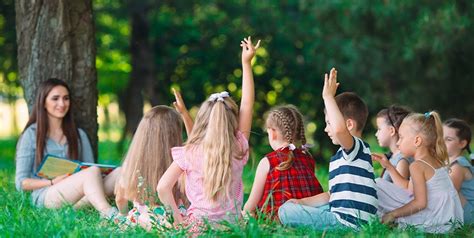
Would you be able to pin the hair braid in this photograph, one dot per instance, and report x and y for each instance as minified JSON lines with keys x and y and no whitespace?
{"x":281,"y":118}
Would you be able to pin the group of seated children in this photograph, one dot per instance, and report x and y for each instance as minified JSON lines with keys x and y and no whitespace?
{"x":426,"y":182}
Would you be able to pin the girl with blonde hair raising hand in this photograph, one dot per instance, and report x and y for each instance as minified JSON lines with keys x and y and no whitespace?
{"x":214,"y":155}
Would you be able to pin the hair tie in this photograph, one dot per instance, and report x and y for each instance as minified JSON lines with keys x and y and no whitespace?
{"x":218,"y":96}
{"x":306,"y":146}
{"x":291,"y":146}
{"x":427,"y":115}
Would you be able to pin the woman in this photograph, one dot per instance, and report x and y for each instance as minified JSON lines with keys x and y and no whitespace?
{"x":51,"y":130}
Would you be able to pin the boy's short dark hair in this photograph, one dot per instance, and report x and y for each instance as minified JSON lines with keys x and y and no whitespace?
{"x":353,"y":107}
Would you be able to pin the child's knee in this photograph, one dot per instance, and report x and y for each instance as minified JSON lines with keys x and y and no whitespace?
{"x":94,"y":170}
{"x":286,"y":212}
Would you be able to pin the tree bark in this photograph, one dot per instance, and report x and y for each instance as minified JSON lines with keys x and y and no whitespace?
{"x":56,"y":38}
{"x":142,"y":61}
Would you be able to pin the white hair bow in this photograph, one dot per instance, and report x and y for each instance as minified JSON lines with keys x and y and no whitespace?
{"x":291,"y":146}
{"x":218,"y":96}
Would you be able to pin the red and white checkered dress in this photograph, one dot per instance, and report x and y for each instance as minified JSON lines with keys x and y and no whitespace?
{"x":299,"y":181}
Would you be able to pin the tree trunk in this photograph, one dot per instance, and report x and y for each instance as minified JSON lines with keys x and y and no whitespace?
{"x":56,"y":38}
{"x":142,"y":61}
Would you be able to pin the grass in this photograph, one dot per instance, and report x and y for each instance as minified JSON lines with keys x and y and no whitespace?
{"x":18,"y":218}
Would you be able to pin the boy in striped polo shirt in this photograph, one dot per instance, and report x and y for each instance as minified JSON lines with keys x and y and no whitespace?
{"x":352,"y":198}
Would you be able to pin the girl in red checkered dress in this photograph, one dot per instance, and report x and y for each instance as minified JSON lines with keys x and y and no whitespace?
{"x":288,"y":171}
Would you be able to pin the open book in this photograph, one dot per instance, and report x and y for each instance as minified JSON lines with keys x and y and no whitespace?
{"x":53,"y":166}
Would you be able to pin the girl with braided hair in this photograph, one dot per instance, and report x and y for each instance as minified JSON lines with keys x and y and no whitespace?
{"x":288,"y":171}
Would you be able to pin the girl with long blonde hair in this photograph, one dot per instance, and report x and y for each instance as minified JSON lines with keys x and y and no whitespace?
{"x":428,"y":200}
{"x":215,"y":154}
{"x":146,"y":161}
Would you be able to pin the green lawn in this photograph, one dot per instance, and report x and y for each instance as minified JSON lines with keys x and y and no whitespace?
{"x":19,"y":219}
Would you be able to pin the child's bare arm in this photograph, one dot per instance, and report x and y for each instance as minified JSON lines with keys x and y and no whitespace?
{"x":165,"y":190}
{"x":248,"y":91}
{"x":420,"y":196}
{"x":314,"y":201}
{"x":456,"y":173}
{"x":181,"y":108}
{"x":403,"y":169}
{"x":397,"y":178}
{"x":258,"y":186}
{"x":334,"y":115}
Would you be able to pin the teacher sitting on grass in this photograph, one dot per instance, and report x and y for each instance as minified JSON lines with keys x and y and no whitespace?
{"x":51,"y":130}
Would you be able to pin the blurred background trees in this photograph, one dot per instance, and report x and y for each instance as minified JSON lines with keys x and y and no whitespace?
{"x":417,"y":54}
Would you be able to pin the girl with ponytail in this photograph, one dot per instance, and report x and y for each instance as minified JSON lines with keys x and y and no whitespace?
{"x":288,"y":171}
{"x":214,"y":155}
{"x":429,"y":199}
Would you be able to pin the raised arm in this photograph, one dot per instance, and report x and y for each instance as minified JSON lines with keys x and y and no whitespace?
{"x":181,"y":108}
{"x":334,"y":115}
{"x":248,"y":91}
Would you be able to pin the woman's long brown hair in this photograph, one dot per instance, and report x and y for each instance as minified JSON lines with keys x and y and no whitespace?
{"x":39,"y":115}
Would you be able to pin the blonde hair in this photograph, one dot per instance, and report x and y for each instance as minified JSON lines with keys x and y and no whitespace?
{"x":149,"y":155}
{"x":214,"y":129}
{"x":289,"y":121}
{"x":430,"y":126}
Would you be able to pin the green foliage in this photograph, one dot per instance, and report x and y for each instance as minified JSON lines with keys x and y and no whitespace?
{"x":414,"y":53}
{"x":112,"y":39}
{"x":386,"y":51}
{"x":9,"y":85}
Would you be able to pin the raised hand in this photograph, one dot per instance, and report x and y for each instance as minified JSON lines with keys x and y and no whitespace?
{"x":330,"y":84}
{"x":181,"y":108}
{"x":248,"y":49}
{"x":179,"y":103}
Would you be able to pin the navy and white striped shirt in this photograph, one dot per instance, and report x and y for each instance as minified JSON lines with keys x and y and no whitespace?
{"x":353,"y":198}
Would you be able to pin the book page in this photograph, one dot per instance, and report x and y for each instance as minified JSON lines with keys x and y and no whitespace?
{"x":53,"y":167}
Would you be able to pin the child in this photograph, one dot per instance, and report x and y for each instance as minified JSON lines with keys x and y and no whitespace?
{"x":457,"y":136}
{"x":351,"y":200}
{"x":214,"y":155}
{"x":146,"y":161}
{"x":288,"y":171}
{"x":428,"y":200}
{"x":388,"y":123}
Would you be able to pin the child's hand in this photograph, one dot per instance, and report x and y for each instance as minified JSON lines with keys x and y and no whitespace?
{"x":388,"y":218}
{"x":246,"y":214}
{"x":294,"y":200}
{"x":382,"y":159}
{"x":179,"y":103}
{"x":330,"y":84}
{"x":248,"y":49}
